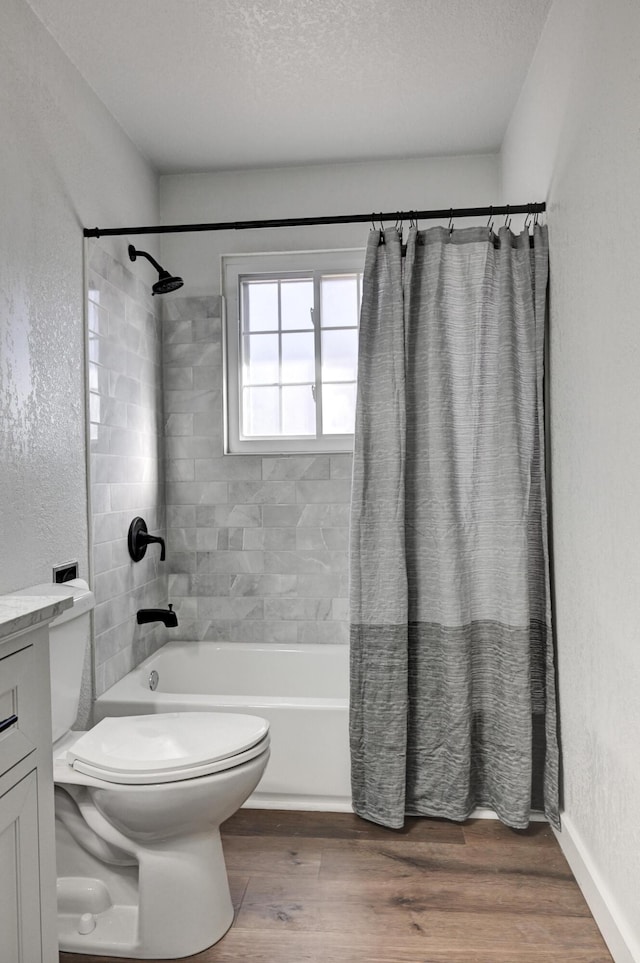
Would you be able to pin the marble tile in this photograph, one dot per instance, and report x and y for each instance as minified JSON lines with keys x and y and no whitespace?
{"x":237,"y":562}
{"x":180,"y":469}
{"x":200,"y":353}
{"x":224,"y":516}
{"x":192,"y":308}
{"x":264,"y":493}
{"x":314,"y":492}
{"x":178,"y":379}
{"x":270,"y":533}
{"x":324,"y":633}
{"x":196,"y":493}
{"x":324,"y":516}
{"x":332,"y":539}
{"x":283,"y":633}
{"x":293,"y":467}
{"x":282,"y":516}
{"x":191,"y":446}
{"x":229,"y":468}
{"x":320,"y":562}
{"x":331,"y":585}
{"x":207,"y":377}
{"x":126,"y":473}
{"x":181,"y":516}
{"x":263,"y":585}
{"x":179,"y":424}
{"x":230,"y":608}
{"x":191,"y":401}
{"x":305,"y":609}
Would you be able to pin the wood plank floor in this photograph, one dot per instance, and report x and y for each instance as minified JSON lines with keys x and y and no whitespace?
{"x":332,"y":888}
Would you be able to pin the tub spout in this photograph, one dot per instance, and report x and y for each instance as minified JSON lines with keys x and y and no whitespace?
{"x":168,"y":616}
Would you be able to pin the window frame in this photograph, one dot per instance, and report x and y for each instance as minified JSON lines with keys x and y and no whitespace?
{"x":278,"y":265}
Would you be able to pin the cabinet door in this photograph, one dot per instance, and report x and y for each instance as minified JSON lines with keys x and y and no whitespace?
{"x":20,"y":876}
{"x":19,"y":717}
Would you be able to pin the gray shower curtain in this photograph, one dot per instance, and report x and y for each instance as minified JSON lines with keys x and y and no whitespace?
{"x":453,"y":700}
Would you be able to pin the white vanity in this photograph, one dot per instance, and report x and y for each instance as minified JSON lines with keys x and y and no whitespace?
{"x":27,"y":844}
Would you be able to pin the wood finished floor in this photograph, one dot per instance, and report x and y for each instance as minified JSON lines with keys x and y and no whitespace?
{"x":332,"y":888}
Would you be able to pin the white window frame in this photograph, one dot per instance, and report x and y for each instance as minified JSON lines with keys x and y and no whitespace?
{"x":234,"y":267}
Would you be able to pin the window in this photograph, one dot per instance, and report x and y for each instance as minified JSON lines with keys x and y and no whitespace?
{"x":291,"y":340}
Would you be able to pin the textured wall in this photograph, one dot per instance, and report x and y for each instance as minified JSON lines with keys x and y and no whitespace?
{"x":126,"y":461}
{"x":258,"y":545}
{"x":575,"y":135}
{"x":64,"y":163}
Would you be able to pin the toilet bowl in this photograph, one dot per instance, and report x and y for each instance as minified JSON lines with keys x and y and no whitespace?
{"x":148,"y":794}
{"x":139,"y":802}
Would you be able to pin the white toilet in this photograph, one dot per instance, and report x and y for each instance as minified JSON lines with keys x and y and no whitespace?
{"x":139,"y":802}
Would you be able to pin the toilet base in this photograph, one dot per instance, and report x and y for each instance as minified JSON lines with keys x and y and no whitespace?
{"x":186,"y":905}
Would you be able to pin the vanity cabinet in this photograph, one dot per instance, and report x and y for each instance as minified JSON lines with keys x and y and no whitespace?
{"x":20,"y":937}
{"x":27,"y":841}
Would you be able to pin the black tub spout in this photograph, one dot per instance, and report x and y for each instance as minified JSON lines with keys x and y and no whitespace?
{"x":168,"y":616}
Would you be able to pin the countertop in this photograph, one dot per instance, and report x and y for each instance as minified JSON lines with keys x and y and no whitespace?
{"x":18,"y":612}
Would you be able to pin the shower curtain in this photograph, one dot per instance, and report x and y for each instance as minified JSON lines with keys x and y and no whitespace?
{"x":453,"y":700}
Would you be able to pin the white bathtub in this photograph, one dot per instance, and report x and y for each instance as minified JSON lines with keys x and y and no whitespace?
{"x":302,"y":691}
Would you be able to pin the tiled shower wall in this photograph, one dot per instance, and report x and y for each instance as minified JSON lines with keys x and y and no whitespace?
{"x":126,"y":460}
{"x":257,"y":544}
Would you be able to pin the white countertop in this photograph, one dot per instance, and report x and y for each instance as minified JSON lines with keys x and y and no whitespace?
{"x":18,"y":612}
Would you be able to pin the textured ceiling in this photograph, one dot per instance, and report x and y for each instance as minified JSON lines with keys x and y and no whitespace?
{"x":220,"y":84}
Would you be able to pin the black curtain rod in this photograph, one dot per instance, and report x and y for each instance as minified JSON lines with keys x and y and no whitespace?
{"x":452,"y":212}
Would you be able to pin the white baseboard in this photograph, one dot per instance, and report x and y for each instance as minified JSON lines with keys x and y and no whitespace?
{"x":491,"y":814}
{"x":616,"y":932}
{"x":322,"y":804}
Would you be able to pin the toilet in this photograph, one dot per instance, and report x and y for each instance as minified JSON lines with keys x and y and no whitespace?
{"x":139,"y":802}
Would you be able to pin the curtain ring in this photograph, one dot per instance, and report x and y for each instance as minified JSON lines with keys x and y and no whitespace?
{"x":527,"y":221}
{"x":507,"y":218}
{"x":490,"y":221}
{"x":450,"y":221}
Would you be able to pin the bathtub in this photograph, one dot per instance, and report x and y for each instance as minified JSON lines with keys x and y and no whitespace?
{"x":302,"y":691}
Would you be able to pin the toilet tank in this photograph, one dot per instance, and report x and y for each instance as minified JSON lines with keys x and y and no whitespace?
{"x":69,"y":638}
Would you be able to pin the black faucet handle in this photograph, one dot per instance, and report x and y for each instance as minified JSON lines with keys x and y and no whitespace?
{"x":138,"y":538}
{"x":147,"y":539}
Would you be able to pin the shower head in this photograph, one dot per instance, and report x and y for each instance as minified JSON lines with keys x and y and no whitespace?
{"x":165,"y":282}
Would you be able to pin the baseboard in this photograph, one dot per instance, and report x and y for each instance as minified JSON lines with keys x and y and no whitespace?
{"x":534,"y":817}
{"x":616,"y":933}
{"x":315,"y":804}
{"x":337,"y":804}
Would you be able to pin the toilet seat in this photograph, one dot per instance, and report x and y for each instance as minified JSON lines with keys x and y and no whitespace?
{"x":167,"y":747}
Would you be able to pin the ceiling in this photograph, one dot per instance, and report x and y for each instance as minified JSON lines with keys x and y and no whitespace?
{"x":202,"y":85}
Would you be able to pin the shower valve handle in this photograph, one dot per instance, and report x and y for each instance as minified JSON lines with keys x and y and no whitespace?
{"x":138,"y":539}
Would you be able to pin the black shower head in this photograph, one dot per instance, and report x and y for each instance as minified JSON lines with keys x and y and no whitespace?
{"x":165,"y":282}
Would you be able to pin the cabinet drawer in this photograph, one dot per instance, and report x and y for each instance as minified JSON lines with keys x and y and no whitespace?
{"x":19,"y":709}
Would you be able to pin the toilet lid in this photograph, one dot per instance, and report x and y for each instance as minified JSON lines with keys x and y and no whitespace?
{"x":167,"y":746}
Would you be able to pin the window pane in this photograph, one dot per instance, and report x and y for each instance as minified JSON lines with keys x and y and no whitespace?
{"x":261,"y":411}
{"x":338,"y":409}
{"x":339,"y":301}
{"x":260,"y":357}
{"x":339,"y":355}
{"x":298,"y":358}
{"x":298,"y":411}
{"x":296,"y":302}
{"x":262,"y":306}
